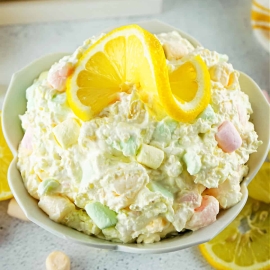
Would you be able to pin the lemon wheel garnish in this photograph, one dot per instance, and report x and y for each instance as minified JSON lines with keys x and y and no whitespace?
{"x":190,"y":90}
{"x":5,"y":159}
{"x":259,"y":188}
{"x":245,"y":243}
{"x":130,"y":55}
{"x":126,"y":56}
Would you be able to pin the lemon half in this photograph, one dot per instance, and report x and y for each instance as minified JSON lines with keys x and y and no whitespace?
{"x":245,"y":243}
{"x":259,"y":187}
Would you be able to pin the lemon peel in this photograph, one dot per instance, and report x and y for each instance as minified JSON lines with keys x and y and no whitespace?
{"x":5,"y":159}
{"x":245,"y":243}
{"x":259,"y":187}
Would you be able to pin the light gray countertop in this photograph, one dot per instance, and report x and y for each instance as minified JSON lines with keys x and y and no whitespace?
{"x":223,"y":26}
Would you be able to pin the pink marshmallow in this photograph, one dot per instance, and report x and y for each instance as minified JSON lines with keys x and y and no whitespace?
{"x":66,"y":70}
{"x":205,"y":214}
{"x":57,"y":81}
{"x":228,"y":137}
{"x":27,"y":139}
{"x":191,"y":198}
{"x":58,"y":74}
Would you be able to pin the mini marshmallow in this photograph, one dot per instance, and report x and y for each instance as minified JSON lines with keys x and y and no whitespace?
{"x":174,"y":51}
{"x":27,"y":139}
{"x":228,"y":137}
{"x":150,"y":156}
{"x":57,"y":260}
{"x":67,"y":132}
{"x":58,"y":74}
{"x":205,"y":214}
{"x":56,"y":207}
{"x":14,"y":210}
{"x":193,"y":162}
{"x":221,"y":73}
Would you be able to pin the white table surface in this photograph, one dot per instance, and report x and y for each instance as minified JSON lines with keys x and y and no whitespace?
{"x":223,"y":26}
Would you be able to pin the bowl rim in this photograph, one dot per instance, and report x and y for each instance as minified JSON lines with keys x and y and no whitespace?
{"x":158,"y":247}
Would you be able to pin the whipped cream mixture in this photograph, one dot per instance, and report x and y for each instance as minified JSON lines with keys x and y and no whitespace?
{"x":153,"y":178}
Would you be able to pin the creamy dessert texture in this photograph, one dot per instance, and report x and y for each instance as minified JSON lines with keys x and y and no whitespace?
{"x":125,"y":176}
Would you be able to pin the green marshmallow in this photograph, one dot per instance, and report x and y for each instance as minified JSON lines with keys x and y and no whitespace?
{"x":207,"y":114}
{"x":101,"y":215}
{"x":162,"y":133}
{"x":171,"y":124}
{"x":156,"y":187}
{"x":223,"y":58}
{"x":47,"y":186}
{"x":129,"y":147}
{"x":193,"y":162}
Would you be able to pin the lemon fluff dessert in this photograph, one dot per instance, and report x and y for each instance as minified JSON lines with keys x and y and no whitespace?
{"x":136,"y":137}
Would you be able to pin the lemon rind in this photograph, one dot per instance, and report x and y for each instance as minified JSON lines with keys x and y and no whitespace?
{"x":188,"y":111}
{"x":217,"y":263}
{"x":82,"y":111}
{"x":180,"y":111}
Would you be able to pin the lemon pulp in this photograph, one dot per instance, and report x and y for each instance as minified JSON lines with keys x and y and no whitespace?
{"x":127,"y":57}
{"x":245,"y":243}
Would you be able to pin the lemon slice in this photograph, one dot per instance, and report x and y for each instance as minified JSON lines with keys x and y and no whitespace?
{"x":126,"y":56}
{"x":259,"y":188}
{"x":190,"y":90}
{"x":245,"y":243}
{"x":130,"y":56}
{"x":5,"y":159}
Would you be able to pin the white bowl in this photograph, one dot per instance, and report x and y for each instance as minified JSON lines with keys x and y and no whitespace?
{"x":15,"y":104}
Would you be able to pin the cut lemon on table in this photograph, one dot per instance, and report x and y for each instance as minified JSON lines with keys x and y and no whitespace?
{"x":259,"y":187}
{"x":245,"y":243}
{"x":129,"y":57}
{"x":5,"y":159}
